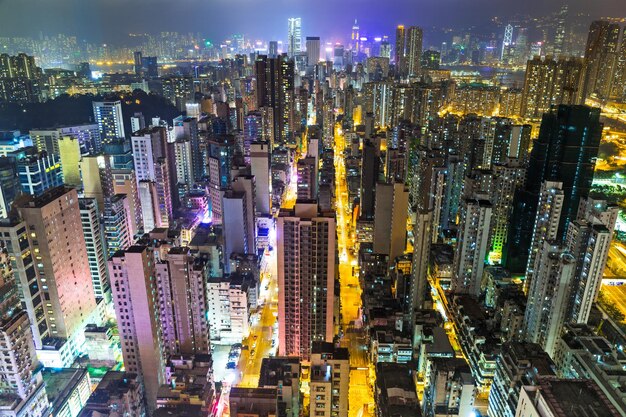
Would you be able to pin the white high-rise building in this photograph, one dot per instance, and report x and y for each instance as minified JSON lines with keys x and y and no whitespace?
{"x":96,"y":251}
{"x":472,"y":246}
{"x":548,"y":295}
{"x":108,"y":117}
{"x":549,"y":209}
{"x":294,"y":36}
{"x":589,"y":240}
{"x":306,"y":278}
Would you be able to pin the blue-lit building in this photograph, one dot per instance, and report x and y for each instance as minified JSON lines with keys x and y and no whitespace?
{"x":37,"y":172}
{"x":10,"y":186}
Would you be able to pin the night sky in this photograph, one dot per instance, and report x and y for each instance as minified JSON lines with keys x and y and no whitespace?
{"x":111,"y":20}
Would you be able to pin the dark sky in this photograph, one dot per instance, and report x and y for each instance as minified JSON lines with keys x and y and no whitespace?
{"x":110,"y":20}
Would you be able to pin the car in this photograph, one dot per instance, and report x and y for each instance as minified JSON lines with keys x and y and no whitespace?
{"x":231,"y":365}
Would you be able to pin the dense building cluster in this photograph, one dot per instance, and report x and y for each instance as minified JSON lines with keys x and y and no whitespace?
{"x":332,"y":231}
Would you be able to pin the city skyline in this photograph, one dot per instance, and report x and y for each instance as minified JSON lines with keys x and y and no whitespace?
{"x":93,"y":20}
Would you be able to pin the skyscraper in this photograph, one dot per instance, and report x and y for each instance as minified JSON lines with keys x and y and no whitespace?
{"x":399,"y":53}
{"x":601,"y":58}
{"x":62,"y":267}
{"x":294,"y":36}
{"x":414,"y":51}
{"x":549,"y":83}
{"x":306,"y":278}
{"x":108,"y":116}
{"x":392,"y":201}
{"x":312,"y":50}
{"x":565,"y":151}
{"x":135,"y":297}
{"x":472,"y":246}
{"x":548,"y":295}
{"x":96,"y":251}
{"x":260,"y":168}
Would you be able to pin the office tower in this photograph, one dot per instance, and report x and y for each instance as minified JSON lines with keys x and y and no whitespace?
{"x":10,"y":186}
{"x":355,"y":37}
{"x":589,"y":239}
{"x":137,"y":55}
{"x":330,"y":380}
{"x":38,"y":172}
{"x":370,"y":167}
{"x":94,"y":241}
{"x":108,"y":117}
{"x":472,"y":246}
{"x":565,"y":151}
{"x":307,"y":178}
{"x":392,"y":205}
{"x":551,"y":82}
{"x":518,"y":364}
{"x":182,"y":281}
{"x":22,"y":385}
{"x":312,"y":50}
{"x":385,"y":48}
{"x":414,"y":51}
{"x":294,"y":36}
{"x":69,"y":155}
{"x":549,"y":209}
{"x":559,"y":34}
{"x":117,"y":219}
{"x":88,"y":136}
{"x":399,"y":53}
{"x":448,"y":388}
{"x":507,"y":42}
{"x":272,"y":50}
{"x":600,"y":58}
{"x":62,"y":261}
{"x":135,"y":297}
{"x":548,"y":295}
{"x":306,"y":276}
{"x":508,"y":177}
{"x":260,"y":169}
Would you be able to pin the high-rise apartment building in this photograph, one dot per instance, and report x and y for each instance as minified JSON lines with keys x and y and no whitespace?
{"x":306,"y":278}
{"x":601,"y":58}
{"x":182,"y":293}
{"x":117,"y":219}
{"x":135,"y":297}
{"x":37,"y":172}
{"x":23,"y":388}
{"x":549,"y":208}
{"x":95,"y":245}
{"x":414,"y":39}
{"x":87,"y":135}
{"x":472,"y":246}
{"x":518,"y":364}
{"x":108,"y":117}
{"x":392,"y":205}
{"x":62,"y":266}
{"x":260,"y":169}
{"x":399,"y":53}
{"x":548,"y":295}
{"x":551,"y":82}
